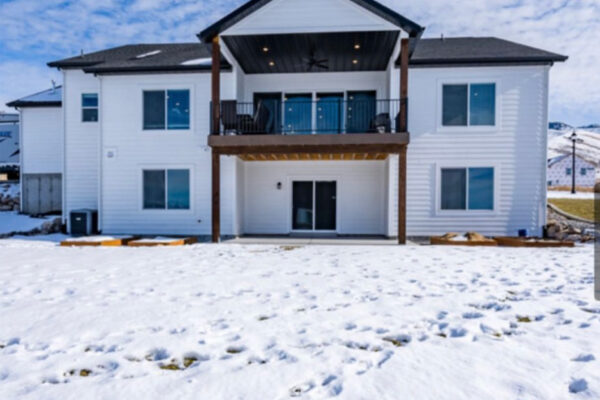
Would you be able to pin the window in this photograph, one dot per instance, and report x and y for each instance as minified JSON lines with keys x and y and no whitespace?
{"x":469,"y":104}
{"x":583,"y":171}
{"x":166,"y":189}
{"x":467,"y":188}
{"x":568,"y":171}
{"x":166,"y":109}
{"x":89,"y":107}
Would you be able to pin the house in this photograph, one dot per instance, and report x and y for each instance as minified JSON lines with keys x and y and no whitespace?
{"x":9,"y":147}
{"x":309,"y":117}
{"x":560,"y":171}
{"x":41,"y":151}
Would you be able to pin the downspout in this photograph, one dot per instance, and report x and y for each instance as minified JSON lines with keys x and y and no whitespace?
{"x":64,"y":145}
{"x":100,"y":150}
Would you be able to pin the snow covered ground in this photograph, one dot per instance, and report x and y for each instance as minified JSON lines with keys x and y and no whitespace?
{"x":12,"y":221}
{"x":561,"y":194}
{"x":274,"y":322}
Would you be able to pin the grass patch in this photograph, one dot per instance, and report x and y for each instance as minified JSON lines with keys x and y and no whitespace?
{"x":523,"y":319}
{"x":289,"y":248}
{"x":582,"y":208}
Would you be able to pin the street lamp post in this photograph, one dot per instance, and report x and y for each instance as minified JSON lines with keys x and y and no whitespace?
{"x":574,"y":139}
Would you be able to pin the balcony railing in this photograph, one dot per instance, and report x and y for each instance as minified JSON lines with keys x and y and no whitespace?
{"x":298,"y":116}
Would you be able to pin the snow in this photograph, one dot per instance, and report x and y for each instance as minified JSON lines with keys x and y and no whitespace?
{"x":12,"y":221}
{"x":12,"y":190}
{"x":198,"y":61}
{"x":271,"y":322}
{"x":559,"y":143}
{"x":149,"y":54}
{"x":560,"y":194}
{"x":94,"y":239}
{"x":159,"y":239}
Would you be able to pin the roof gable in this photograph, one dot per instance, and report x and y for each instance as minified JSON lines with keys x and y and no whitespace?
{"x":303,"y":16}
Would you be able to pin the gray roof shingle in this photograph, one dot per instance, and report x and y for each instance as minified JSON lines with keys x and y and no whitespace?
{"x":478,"y":50}
{"x":144,"y":58}
{"x":46,"y":98}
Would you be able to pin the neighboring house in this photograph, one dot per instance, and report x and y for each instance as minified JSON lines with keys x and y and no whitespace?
{"x":560,"y":171}
{"x":9,"y":147}
{"x":309,"y":116}
{"x":41,"y":151}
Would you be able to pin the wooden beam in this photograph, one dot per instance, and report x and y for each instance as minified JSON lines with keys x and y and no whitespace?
{"x":216,"y":86}
{"x":216,"y":197}
{"x":402,"y":196}
{"x":404,"y":52}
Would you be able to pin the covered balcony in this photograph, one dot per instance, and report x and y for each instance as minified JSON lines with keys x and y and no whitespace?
{"x":319,"y":87}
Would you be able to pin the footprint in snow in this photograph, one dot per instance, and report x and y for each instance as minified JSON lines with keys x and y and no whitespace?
{"x":584,"y":358}
{"x":472,"y":315}
{"x":578,"y":385}
{"x":299,"y":390}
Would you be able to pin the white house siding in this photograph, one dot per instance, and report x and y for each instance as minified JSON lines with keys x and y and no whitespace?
{"x":80,"y":187}
{"x":316,"y":82}
{"x":41,"y":140}
{"x":557,"y":172}
{"x":136,"y":149}
{"x":293,"y":16}
{"x":361,"y":188}
{"x":517,"y":149}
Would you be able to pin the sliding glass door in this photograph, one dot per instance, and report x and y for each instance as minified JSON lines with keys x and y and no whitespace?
{"x":314,"y":205}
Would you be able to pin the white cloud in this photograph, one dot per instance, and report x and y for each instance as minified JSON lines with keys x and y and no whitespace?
{"x":35,"y":32}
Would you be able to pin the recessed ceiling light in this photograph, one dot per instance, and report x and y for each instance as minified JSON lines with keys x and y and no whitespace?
{"x":265,"y":49}
{"x":272,"y":63}
{"x":357,"y":46}
{"x":354,"y":61}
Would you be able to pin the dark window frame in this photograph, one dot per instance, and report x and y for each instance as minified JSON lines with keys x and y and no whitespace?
{"x":467,"y":205}
{"x":165,"y":124}
{"x":468,"y":110}
{"x":85,"y":108}
{"x":166,"y":190}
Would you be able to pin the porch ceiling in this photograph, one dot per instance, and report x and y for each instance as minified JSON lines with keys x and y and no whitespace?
{"x":290,"y":53}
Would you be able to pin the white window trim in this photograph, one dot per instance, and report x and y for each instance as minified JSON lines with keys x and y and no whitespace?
{"x":165,"y":130}
{"x":466,"y":212}
{"x":468,"y":128}
{"x":166,"y":210}
{"x":90,"y":107}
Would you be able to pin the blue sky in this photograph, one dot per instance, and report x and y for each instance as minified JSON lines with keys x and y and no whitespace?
{"x":33,"y":32}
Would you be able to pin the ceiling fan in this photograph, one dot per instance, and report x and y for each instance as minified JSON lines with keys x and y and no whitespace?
{"x":312,"y":62}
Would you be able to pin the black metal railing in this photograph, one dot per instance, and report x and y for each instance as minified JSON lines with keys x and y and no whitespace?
{"x":298,"y":116}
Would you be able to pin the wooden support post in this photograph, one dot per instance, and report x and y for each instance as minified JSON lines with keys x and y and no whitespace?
{"x":216,"y":197}
{"x":404,"y":85}
{"x":216,"y":86}
{"x":402,"y":196}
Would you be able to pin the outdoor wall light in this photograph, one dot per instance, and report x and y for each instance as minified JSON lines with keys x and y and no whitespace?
{"x":272,"y":63}
{"x":357,"y":46}
{"x":265,"y":49}
{"x":279,"y":185}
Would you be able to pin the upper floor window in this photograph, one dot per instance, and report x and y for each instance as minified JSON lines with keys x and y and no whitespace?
{"x":568,"y":171}
{"x":89,"y":107}
{"x":166,"y":189}
{"x":467,"y":188}
{"x":166,"y":109}
{"x":471,"y":104}
{"x":583,"y":171}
